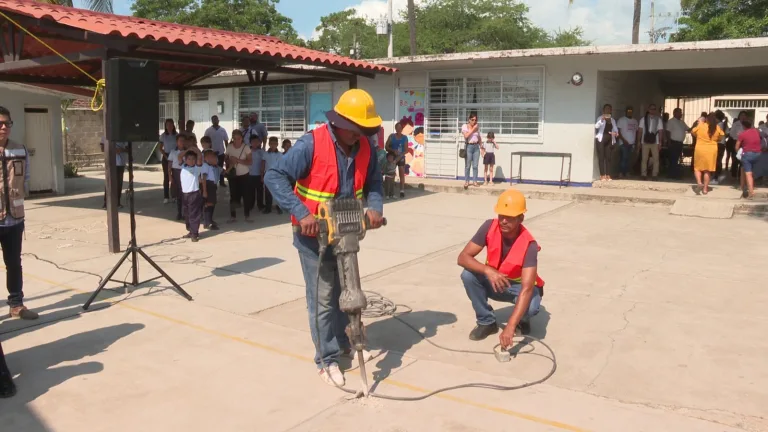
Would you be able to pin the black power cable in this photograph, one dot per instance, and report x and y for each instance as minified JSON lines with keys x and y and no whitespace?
{"x":380,"y":306}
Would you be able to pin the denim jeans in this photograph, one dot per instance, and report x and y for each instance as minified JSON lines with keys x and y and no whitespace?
{"x":10,"y":241}
{"x":472,"y":161}
{"x":675,"y":151}
{"x":626,"y":157}
{"x":330,"y":322}
{"x":479,"y":290}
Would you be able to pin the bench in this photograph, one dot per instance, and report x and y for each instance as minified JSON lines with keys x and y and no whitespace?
{"x":564,"y":181}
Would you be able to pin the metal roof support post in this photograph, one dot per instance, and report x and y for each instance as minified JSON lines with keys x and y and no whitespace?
{"x":182,"y":110}
{"x":110,"y":174}
{"x":353,"y":82}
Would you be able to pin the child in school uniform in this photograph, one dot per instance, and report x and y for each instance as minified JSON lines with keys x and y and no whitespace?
{"x":192,"y":198}
{"x":489,"y":157}
{"x":206,"y":143}
{"x":174,"y":160}
{"x":286,"y":145}
{"x":256,"y":175}
{"x":390,"y":170}
{"x":210,"y":172}
{"x":270,"y":159}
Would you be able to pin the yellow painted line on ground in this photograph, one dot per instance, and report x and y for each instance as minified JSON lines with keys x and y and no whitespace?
{"x":394,"y":383}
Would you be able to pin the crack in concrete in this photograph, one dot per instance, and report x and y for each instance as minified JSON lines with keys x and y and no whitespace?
{"x":740,"y":420}
{"x":612,"y":336}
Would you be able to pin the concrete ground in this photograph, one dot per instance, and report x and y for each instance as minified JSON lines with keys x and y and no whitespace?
{"x":657,"y":322}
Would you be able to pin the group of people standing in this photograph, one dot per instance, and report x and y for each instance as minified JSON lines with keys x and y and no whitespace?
{"x":633,"y":138}
{"x":654,"y":131}
{"x":192,"y":177}
{"x":742,"y":144}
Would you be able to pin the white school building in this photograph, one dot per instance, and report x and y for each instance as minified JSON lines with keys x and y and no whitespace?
{"x":533,"y":100}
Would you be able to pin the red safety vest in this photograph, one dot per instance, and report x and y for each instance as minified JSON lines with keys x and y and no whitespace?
{"x":322,"y":183}
{"x":513,"y":263}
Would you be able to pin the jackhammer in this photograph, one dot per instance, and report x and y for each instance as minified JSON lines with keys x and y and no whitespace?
{"x":342,"y":224}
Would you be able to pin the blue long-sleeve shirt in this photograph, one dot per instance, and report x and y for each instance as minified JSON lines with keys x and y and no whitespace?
{"x":296,"y":164}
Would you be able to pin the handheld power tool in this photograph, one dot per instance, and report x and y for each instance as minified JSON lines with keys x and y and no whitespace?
{"x":342,"y":224}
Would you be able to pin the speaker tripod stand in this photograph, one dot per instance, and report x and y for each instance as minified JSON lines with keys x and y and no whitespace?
{"x":133,"y":250}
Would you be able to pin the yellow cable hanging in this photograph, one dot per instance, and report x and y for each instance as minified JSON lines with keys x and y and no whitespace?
{"x":100,"y":83}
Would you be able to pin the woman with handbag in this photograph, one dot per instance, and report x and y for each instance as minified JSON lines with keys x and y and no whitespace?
{"x":239,"y":160}
{"x":471,"y":132}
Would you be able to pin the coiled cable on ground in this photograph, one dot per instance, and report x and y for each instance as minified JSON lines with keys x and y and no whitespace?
{"x":379,"y":306}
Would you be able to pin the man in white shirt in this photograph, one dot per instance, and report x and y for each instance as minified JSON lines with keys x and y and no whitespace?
{"x":219,"y":141}
{"x":651,"y":133}
{"x":628,"y":127}
{"x":677,"y":130}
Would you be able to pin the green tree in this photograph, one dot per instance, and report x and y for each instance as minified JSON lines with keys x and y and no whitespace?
{"x":445,"y":26}
{"x":721,"y":19}
{"x":244,"y":16}
{"x":94,"y":5}
{"x":175,"y":11}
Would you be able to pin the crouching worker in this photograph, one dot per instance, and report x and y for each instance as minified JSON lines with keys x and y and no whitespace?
{"x":509,"y":273}
{"x":334,"y":160}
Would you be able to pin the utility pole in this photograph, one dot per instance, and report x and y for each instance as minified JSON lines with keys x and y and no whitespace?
{"x":657,"y":34}
{"x":391,"y":28}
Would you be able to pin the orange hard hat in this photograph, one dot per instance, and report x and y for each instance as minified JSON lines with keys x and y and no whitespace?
{"x":511,"y":203}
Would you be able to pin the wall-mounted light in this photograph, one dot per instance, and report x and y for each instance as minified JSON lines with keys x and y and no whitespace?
{"x":220,"y":107}
{"x":577,"y":79}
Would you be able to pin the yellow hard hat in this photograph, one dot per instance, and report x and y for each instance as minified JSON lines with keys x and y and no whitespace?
{"x":511,"y":203}
{"x":357,"y":106}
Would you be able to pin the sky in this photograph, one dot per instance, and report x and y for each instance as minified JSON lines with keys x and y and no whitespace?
{"x":605,"y":22}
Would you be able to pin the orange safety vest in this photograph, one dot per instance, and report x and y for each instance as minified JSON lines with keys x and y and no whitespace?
{"x":322,"y":183}
{"x":512,"y":266}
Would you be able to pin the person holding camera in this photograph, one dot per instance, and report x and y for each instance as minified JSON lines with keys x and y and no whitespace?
{"x":605,"y":138}
{"x":471,"y":133}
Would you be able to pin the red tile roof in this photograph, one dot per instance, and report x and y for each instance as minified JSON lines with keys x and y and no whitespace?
{"x":128,"y":26}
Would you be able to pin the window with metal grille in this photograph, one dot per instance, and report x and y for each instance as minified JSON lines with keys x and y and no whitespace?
{"x":509,"y":103}
{"x":741,"y":103}
{"x":282,"y":109}
{"x":197,"y":95}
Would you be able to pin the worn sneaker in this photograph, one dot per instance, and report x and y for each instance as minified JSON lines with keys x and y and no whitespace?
{"x":214,"y":227}
{"x":165,"y":201}
{"x":332,"y":375}
{"x":7,"y":387}
{"x":402,"y":194}
{"x":22,"y":312}
{"x":482,"y":331}
{"x":195,"y":239}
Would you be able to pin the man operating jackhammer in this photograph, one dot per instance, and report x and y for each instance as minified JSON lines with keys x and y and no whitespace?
{"x":509,"y":273}
{"x":334,"y":160}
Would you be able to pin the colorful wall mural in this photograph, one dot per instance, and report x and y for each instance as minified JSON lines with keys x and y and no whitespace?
{"x":411,"y":115}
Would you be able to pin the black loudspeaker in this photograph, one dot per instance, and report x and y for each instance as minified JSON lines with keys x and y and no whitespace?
{"x":133,"y":98}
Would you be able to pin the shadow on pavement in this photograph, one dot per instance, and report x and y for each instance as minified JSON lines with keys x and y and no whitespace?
{"x":246,"y":266}
{"x":397,"y":338}
{"x":37,"y":371}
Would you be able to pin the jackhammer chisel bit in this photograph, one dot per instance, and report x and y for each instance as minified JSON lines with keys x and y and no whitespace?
{"x":343,"y":224}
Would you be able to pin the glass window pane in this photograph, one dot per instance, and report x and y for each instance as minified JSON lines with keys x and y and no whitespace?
{"x":250,"y":98}
{"x":272,"y":96}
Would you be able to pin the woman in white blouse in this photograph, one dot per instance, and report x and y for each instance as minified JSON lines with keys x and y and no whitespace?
{"x":605,"y":138}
